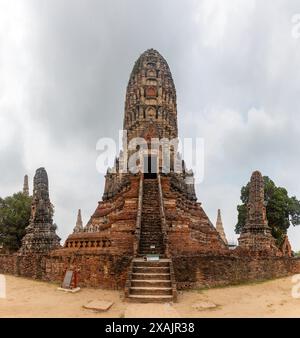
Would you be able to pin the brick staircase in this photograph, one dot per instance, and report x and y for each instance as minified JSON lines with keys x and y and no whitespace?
{"x":151,"y":281}
{"x":151,"y":239}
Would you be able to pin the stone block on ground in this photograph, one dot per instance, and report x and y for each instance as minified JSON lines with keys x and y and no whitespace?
{"x":98,"y":305}
{"x":202,"y":306}
{"x":69,"y":290}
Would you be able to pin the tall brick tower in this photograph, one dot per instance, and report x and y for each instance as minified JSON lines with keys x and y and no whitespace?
{"x":151,"y":209}
{"x":256,"y":234}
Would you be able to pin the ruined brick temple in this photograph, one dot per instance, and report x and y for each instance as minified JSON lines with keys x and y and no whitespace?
{"x":149,"y":213}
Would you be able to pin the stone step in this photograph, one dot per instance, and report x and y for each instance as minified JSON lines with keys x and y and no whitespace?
{"x":150,"y":291}
{"x":147,"y":276}
{"x":145,"y":245}
{"x":151,"y":269}
{"x":150,"y":299}
{"x":151,"y":283}
{"x":149,"y":225}
{"x":151,"y":263}
{"x":147,"y":210}
{"x":155,"y":235}
{"x":150,"y":205}
{"x":148,"y":242}
{"x":151,"y":252}
{"x":150,"y":232}
{"x":150,"y":220}
{"x":148,"y":250}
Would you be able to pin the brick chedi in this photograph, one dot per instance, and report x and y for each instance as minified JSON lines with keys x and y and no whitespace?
{"x":41,"y":234}
{"x":256,"y":234}
{"x":26,"y":186}
{"x":148,"y":206}
{"x":220,"y":228}
{"x":115,"y":226}
{"x":79,"y":224}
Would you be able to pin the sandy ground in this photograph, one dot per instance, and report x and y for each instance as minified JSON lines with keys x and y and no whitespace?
{"x":27,"y":298}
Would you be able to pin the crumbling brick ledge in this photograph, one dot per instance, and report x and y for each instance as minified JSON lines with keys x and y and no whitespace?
{"x":110,"y":271}
{"x":200,"y":271}
{"x":94,"y":270}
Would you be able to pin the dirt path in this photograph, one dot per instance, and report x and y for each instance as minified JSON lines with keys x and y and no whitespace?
{"x":28,"y":298}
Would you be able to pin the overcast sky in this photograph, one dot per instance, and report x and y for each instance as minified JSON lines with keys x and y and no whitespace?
{"x":64,"y":67}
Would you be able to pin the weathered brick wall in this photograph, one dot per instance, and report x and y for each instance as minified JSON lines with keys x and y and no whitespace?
{"x":108,"y":271}
{"x":8,"y":264}
{"x":94,"y":270}
{"x":210,"y":270}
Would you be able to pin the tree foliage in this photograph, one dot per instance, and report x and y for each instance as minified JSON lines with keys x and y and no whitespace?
{"x":14,"y":218}
{"x":282,"y":210}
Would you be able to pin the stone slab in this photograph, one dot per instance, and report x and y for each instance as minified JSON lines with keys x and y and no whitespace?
{"x":69,"y":290}
{"x":98,"y":305}
{"x":202,"y":306}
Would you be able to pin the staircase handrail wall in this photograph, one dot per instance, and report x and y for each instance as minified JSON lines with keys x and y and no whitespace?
{"x":163,"y":217}
{"x":139,"y":216}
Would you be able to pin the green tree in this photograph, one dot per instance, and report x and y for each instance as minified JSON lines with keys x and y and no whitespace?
{"x":282,"y":210}
{"x":14,"y":218}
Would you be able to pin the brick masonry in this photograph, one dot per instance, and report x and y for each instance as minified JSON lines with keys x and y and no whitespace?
{"x":216,"y":270}
{"x":104,"y":271}
{"x":110,"y":271}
